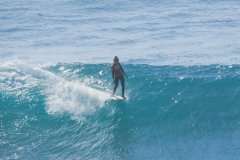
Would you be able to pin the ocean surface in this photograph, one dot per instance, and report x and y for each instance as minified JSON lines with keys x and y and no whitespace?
{"x":183,"y":91}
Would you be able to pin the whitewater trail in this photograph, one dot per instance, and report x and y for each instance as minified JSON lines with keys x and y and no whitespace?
{"x":61,"y":95}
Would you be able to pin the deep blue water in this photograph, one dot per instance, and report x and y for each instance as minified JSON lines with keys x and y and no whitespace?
{"x":182,"y":59}
{"x":156,"y":32}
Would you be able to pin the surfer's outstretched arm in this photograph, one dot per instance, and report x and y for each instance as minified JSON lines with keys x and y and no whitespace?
{"x":123,"y":71}
{"x":112,"y":74}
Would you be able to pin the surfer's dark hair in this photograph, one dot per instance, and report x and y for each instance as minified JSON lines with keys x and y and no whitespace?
{"x":116,"y":58}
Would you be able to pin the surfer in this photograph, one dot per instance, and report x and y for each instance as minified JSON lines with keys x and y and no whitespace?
{"x":117,"y":74}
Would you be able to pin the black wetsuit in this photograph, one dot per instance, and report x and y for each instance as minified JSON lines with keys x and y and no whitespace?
{"x":117,"y":74}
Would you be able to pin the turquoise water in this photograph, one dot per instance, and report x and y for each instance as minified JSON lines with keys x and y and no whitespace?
{"x":182,"y":59}
{"x":171,"y":112}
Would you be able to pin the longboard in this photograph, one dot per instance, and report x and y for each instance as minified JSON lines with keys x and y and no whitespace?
{"x":115,"y":97}
{"x":106,"y":95}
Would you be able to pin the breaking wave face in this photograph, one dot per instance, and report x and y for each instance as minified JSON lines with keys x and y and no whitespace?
{"x":53,"y":110}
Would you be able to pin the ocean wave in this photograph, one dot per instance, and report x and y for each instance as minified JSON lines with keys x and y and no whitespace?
{"x":182,"y":105}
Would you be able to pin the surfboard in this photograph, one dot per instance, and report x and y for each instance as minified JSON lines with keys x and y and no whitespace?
{"x":105,"y":95}
{"x":115,"y":97}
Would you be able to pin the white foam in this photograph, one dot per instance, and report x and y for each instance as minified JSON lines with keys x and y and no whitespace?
{"x":12,"y":76}
{"x":72,"y":97}
{"x":62,"y":96}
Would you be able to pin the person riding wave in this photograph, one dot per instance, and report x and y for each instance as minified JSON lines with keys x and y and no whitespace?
{"x":117,"y":74}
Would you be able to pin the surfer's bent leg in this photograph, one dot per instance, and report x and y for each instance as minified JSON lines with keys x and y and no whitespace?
{"x":116,"y":80}
{"x":123,"y":85}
